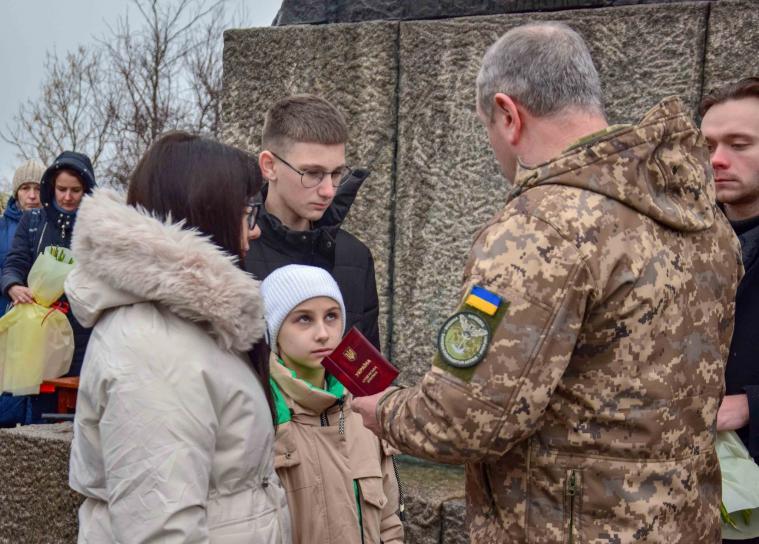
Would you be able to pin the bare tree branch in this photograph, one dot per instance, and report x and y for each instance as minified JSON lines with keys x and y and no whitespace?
{"x":72,"y":111}
{"x":158,"y":72}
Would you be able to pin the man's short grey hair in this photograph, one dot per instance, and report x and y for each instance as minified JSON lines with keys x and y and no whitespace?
{"x":545,"y":67}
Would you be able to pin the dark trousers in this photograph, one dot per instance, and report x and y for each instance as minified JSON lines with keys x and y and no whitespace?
{"x":25,"y":409}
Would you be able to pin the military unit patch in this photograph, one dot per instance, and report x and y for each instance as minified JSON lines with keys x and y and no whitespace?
{"x":463,"y":341}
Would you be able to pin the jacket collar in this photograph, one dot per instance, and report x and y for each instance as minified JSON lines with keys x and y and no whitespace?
{"x":314,"y":399}
{"x":124,"y":255}
{"x":318,"y":239}
{"x":748,"y":234}
{"x":322,"y":237}
{"x":12,"y":211}
{"x":659,"y":167}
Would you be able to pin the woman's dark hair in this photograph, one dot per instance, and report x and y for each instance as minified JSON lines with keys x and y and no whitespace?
{"x":207,"y":185}
{"x":199,"y":180}
{"x":71,"y":172}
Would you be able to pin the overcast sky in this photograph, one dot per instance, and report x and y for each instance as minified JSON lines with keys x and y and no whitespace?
{"x":32,"y":27}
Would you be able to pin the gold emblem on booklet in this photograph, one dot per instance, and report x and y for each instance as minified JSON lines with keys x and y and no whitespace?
{"x":350,"y":354}
{"x":359,"y":366}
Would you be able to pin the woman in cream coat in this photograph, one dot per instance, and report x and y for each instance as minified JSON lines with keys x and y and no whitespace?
{"x":173,"y":432}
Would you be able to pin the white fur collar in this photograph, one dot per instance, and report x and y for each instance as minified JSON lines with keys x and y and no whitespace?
{"x":135,"y":257}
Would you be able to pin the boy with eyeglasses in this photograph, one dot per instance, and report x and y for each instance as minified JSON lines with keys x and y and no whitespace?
{"x":303,"y":159}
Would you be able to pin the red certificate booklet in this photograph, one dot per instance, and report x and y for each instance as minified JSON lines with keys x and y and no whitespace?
{"x":359,"y":366}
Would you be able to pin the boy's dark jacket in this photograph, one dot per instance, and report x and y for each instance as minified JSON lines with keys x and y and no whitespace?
{"x":327,"y":246}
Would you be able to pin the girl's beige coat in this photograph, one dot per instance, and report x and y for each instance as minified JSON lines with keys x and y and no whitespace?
{"x":318,"y":463}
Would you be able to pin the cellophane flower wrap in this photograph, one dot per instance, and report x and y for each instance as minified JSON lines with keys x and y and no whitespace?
{"x":740,"y":488}
{"x":36,"y":340}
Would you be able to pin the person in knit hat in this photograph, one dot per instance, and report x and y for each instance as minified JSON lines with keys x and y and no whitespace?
{"x":26,"y":184}
{"x":340,"y":482}
{"x":26,"y":196}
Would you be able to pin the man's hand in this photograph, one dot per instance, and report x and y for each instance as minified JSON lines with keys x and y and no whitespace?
{"x":367,"y":407}
{"x":20,"y":294}
{"x":733,"y":413}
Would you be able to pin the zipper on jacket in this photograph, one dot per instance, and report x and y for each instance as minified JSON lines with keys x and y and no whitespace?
{"x":527,"y":487}
{"x":341,"y":419}
{"x":571,"y":493}
{"x":401,"y":494}
{"x":488,"y":488}
{"x":357,"y":489}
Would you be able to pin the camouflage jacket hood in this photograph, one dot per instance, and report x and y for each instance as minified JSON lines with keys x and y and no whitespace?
{"x":660,"y":168}
{"x":586,"y":410}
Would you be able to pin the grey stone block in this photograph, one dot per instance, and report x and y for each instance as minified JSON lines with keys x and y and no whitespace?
{"x":448,"y":184}
{"x":295,"y":12}
{"x":732,"y":43}
{"x":435,"y":509}
{"x":36,"y":503}
{"x":355,"y":67}
{"x":353,"y":11}
{"x":350,"y":11}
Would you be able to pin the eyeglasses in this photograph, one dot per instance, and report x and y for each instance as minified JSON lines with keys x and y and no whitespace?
{"x":255,"y":209}
{"x":312,"y":178}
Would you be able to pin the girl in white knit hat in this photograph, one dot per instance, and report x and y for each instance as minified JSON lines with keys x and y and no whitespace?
{"x":341,"y":487}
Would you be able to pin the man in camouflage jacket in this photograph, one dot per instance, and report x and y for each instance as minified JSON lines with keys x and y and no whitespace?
{"x":580,"y":378}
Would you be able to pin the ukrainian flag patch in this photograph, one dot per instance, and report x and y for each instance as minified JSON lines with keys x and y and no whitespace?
{"x":483,"y":300}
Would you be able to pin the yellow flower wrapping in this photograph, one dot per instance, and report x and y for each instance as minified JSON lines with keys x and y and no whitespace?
{"x":36,"y":341}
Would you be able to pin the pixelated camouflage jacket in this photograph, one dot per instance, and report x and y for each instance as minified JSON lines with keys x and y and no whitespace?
{"x":592,"y":416}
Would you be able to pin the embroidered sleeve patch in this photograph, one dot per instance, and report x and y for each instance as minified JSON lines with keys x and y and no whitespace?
{"x":483,"y":300}
{"x":464,"y":339}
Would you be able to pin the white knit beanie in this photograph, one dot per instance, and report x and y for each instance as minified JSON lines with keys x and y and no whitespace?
{"x":287,"y":287}
{"x":29,"y":172}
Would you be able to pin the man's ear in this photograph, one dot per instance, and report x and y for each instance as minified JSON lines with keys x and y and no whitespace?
{"x":509,"y":117}
{"x":266,"y":164}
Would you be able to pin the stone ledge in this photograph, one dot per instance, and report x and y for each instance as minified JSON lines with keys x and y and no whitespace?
{"x":38,"y":507}
{"x":36,"y":503}
{"x":435,"y":507}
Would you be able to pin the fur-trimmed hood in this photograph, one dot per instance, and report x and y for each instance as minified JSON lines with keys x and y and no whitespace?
{"x":123,"y":255}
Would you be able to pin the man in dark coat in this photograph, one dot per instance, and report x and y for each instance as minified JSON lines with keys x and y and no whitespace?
{"x":731,"y":127}
{"x":309,"y":193}
{"x":62,"y":187}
